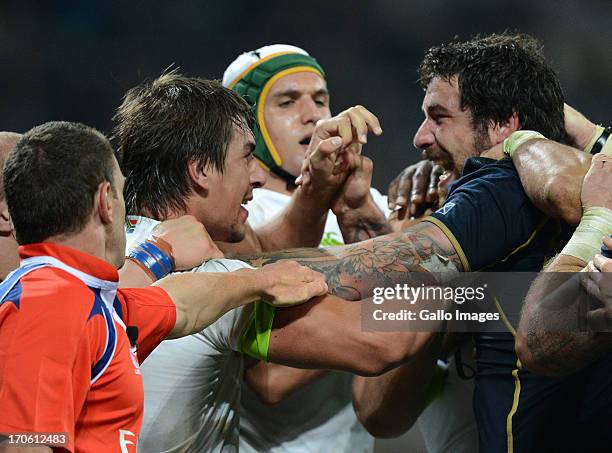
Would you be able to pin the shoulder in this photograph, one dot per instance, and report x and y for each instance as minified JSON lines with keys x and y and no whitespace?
{"x":490,"y":177}
{"x":58,"y":294}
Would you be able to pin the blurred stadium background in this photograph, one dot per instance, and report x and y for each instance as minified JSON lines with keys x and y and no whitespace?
{"x":74,"y":60}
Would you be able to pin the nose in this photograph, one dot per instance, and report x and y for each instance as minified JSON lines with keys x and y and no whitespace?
{"x":311,"y":112}
{"x":424,"y":137}
{"x":257,"y":175}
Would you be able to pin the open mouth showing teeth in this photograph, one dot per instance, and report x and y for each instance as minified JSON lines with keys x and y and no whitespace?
{"x":246,"y":200}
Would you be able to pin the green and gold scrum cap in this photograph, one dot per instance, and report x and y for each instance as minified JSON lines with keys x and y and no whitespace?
{"x":252,"y":75}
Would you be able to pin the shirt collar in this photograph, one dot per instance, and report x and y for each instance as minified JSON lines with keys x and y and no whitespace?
{"x":77,"y":259}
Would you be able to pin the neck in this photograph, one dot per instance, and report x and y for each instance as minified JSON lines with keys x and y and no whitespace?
{"x":89,"y":240}
{"x":277,"y":184}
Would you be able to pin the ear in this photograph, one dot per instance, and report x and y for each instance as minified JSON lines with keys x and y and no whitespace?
{"x":198,"y":174}
{"x":5,"y":221}
{"x":103,"y":202}
{"x":502,"y":130}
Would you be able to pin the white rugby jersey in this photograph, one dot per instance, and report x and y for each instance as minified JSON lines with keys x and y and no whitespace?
{"x":192,"y":384}
{"x":319,"y":417}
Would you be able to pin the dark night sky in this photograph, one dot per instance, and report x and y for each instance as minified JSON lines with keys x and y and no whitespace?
{"x":74,"y":60}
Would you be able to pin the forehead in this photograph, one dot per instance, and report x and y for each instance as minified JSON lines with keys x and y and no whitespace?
{"x":442,"y":92}
{"x":304,"y":81}
{"x":241,"y":137}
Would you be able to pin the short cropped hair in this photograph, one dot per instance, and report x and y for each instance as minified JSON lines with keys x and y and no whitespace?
{"x":51,"y":177}
{"x":498,"y":75}
{"x":162,"y":126}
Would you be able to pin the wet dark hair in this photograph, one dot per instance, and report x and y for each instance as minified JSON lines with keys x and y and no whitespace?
{"x":500,"y":74}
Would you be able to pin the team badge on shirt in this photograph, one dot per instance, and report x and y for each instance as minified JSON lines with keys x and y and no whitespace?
{"x":446,"y":208}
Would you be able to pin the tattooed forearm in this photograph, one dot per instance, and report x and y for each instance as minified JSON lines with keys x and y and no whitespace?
{"x":353,"y":271}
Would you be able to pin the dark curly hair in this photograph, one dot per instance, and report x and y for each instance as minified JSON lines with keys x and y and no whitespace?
{"x":500,"y":74}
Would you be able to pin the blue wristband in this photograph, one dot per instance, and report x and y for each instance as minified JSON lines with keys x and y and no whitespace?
{"x":161,"y":257}
{"x":153,"y":259}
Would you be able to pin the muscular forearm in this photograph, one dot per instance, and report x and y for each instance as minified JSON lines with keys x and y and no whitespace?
{"x":353,"y":271}
{"x":390,"y":404}
{"x":552,"y":175}
{"x":549,"y":337}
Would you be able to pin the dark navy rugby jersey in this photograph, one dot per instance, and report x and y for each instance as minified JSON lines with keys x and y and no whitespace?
{"x":490,"y":220}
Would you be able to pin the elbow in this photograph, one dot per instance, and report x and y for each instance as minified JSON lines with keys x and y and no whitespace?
{"x":379,"y":424}
{"x":380,"y":427}
{"x":265,"y":393}
{"x":384,"y":354}
{"x":523,"y":352}
{"x":269,"y":398}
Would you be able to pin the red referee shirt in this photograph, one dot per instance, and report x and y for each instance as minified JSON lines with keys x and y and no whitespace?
{"x":62,"y":369}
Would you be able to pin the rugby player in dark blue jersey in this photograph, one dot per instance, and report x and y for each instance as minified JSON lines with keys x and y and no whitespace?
{"x":477,"y":94}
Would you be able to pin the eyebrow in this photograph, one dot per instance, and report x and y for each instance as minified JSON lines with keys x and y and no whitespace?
{"x":297,"y":93}
{"x":437,"y":109}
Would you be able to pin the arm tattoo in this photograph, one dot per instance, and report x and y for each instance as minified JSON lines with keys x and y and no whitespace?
{"x":364,"y":230}
{"x":353,"y":271}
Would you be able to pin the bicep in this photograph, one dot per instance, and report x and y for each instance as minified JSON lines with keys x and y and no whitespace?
{"x":551,"y":175}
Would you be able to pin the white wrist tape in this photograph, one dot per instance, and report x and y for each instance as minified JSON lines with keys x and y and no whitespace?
{"x":516,"y":139}
{"x":596,"y":223}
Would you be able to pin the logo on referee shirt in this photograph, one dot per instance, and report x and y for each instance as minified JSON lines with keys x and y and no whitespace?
{"x":446,"y":208}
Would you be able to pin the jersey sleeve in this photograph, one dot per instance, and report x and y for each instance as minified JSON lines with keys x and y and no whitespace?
{"x":46,"y":362}
{"x":152,"y":311}
{"x":488,"y":217}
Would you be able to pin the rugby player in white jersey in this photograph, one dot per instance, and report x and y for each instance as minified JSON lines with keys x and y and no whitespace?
{"x":186,"y":148}
{"x":289,"y":92}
